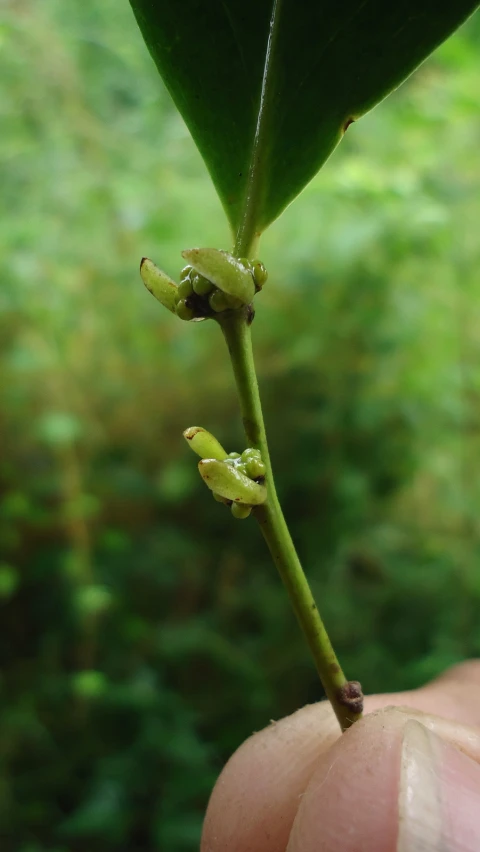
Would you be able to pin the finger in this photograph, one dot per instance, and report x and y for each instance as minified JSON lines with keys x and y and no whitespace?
{"x":256,"y":798}
{"x":462,"y":686}
{"x":464,"y":673}
{"x":454,"y":695}
{"x":391,"y":783}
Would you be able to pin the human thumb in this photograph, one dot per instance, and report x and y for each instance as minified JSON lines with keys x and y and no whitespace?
{"x":398,"y":780}
{"x":439,"y":794}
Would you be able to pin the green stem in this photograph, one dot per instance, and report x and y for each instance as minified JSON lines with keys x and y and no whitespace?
{"x":341,"y":694}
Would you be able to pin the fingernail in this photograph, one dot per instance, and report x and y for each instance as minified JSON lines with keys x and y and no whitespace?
{"x":439,"y":796}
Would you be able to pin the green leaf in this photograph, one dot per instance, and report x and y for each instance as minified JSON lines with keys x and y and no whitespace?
{"x":268,"y":87}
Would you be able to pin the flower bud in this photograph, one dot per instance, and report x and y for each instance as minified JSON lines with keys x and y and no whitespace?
{"x":185,"y":288}
{"x":224,"y":270}
{"x":186,"y":273}
{"x":201,"y":285}
{"x":159,"y":284}
{"x":255,"y":468}
{"x":240,"y":511}
{"x":251,"y":453}
{"x":204,"y":444}
{"x":226,"y":480}
{"x":260,"y":274}
{"x":183,"y":311}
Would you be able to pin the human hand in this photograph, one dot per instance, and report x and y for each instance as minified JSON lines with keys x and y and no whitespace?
{"x":406,"y":778}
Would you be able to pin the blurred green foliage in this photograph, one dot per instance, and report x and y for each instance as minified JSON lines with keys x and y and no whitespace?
{"x":144,"y":632}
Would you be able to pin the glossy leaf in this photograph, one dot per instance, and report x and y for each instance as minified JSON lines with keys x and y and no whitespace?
{"x":268,"y":87}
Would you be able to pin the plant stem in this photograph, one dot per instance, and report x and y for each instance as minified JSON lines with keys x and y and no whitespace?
{"x":237,"y":334}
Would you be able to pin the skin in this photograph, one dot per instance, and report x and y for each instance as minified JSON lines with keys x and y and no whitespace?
{"x":298,"y":786}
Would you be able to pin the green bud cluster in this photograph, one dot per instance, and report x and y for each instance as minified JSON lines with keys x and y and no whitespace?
{"x":212,"y":282}
{"x":248,"y":464}
{"x":197,"y":297}
{"x":189,"y":297}
{"x":236,"y":479}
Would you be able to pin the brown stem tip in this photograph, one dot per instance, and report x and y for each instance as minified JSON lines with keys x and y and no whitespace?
{"x":351,"y":696}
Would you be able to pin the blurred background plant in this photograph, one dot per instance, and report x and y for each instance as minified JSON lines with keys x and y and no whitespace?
{"x":144,"y":633}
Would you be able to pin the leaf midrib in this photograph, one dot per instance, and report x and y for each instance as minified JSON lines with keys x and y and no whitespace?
{"x":252,"y":199}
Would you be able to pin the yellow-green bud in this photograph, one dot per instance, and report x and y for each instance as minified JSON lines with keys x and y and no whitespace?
{"x":255,"y":468}
{"x":240,"y":511}
{"x":224,"y":270}
{"x":201,"y":285}
{"x":204,"y":444}
{"x":183,"y":311}
{"x":185,"y":288}
{"x":186,"y":272}
{"x":251,"y":453}
{"x":218,"y":301}
{"x":225,"y":480}
{"x":260,"y":274}
{"x":159,"y":284}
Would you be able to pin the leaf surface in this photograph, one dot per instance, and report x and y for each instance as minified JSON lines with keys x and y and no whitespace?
{"x":268,"y":87}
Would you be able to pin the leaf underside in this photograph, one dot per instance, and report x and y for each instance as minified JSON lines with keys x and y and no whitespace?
{"x":264,"y":128}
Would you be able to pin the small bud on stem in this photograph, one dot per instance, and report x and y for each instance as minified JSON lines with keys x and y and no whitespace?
{"x":230,"y":483}
{"x":204,"y":444}
{"x":223,"y":270}
{"x":159,"y":284}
